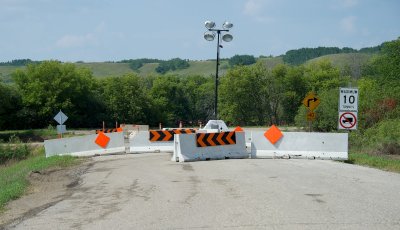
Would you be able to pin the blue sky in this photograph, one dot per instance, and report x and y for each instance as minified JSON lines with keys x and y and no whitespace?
{"x":112,"y":30}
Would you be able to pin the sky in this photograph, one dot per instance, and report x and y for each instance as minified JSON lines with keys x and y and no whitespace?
{"x":113,"y":30}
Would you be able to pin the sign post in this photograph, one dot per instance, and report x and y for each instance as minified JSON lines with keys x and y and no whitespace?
{"x":348,"y":108}
{"x":61,"y":118}
{"x":311,"y":101}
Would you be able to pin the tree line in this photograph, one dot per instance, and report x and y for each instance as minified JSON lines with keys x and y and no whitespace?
{"x":300,"y":56}
{"x":18,"y":62}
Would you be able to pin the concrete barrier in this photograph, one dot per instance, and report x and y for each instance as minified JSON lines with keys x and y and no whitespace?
{"x":332,"y":146}
{"x":185,"y":149}
{"x":84,"y":145}
{"x":139,"y":143}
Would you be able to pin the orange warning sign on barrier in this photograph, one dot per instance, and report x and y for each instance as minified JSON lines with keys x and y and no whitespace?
{"x":215,"y":139}
{"x":167,"y":135}
{"x":102,"y":140}
{"x":273,"y":134}
{"x":109,"y":130}
{"x":238,"y":129}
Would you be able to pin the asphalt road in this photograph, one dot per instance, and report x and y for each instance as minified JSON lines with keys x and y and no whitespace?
{"x":147,"y":191}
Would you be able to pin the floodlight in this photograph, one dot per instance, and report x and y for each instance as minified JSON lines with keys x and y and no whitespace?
{"x":227,"y":25}
{"x":209,"y":24}
{"x":209,"y":36}
{"x":227,"y":37}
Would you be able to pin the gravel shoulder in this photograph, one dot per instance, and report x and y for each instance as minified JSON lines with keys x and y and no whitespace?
{"x":47,"y":188}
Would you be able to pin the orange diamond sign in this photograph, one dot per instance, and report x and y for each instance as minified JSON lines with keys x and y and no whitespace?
{"x":102,"y":140}
{"x":273,"y":134}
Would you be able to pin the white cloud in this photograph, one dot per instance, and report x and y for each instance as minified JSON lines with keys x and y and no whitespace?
{"x":253,"y":7}
{"x":349,"y":3}
{"x":348,"y":24}
{"x":68,"y":41}
{"x":256,"y":10}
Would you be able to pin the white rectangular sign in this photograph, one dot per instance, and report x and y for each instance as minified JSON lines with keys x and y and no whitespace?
{"x":348,"y":99}
{"x":61,"y":129}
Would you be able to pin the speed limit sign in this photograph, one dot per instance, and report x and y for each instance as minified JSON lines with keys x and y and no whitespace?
{"x":348,"y":108}
{"x":348,"y":99}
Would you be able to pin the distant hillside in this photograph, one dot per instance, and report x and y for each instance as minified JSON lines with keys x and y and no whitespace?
{"x":349,"y":63}
{"x":349,"y":60}
{"x":271,"y":62}
{"x":6,"y":71}
{"x":300,"y":56}
{"x":105,"y":69}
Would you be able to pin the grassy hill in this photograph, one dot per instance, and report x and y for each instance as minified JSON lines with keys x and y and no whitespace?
{"x":341,"y":60}
{"x":271,"y":62}
{"x":349,"y":63}
{"x":105,"y":69}
{"x":346,"y":62}
{"x":6,"y":71}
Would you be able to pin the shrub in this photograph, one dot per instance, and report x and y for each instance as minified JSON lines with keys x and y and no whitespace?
{"x":13,"y":150}
{"x":383,"y":138}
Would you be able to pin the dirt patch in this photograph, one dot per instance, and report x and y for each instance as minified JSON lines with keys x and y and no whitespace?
{"x":47,"y":188}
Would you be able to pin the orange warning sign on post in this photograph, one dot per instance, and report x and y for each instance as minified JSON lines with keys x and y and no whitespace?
{"x":273,"y":134}
{"x":102,"y":140}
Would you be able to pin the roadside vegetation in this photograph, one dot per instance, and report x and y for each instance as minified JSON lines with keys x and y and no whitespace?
{"x":379,"y":161}
{"x":18,"y":160}
{"x":19,"y":157}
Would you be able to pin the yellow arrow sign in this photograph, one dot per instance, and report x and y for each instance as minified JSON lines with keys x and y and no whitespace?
{"x":311,"y":101}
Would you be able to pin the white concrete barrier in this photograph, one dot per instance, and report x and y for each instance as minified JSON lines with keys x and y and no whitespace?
{"x":332,"y":146}
{"x":185,"y":149}
{"x":139,"y":143}
{"x":84,"y":145}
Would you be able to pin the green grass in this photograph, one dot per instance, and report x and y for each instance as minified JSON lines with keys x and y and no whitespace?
{"x":204,"y":68}
{"x":6,"y":71}
{"x":13,"y":178}
{"x":33,"y":135}
{"x":375,"y":161}
{"x":106,"y":69}
{"x":344,"y":59}
{"x":271,"y":62}
{"x":148,"y":68}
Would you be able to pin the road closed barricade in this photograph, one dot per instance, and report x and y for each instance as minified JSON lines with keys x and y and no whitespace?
{"x":332,"y":146}
{"x":89,"y":145}
{"x":142,"y":142}
{"x":155,"y":140}
{"x":209,"y":146}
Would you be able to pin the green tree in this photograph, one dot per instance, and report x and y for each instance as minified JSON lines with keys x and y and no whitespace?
{"x":51,"y":86}
{"x":244,"y":97}
{"x":242,"y":60}
{"x":10,"y":104}
{"x":171,"y":105}
{"x":388,"y":63}
{"x":295,"y":88}
{"x":126,"y":99}
{"x":322,"y":75}
{"x":173,"y":64}
{"x":199,"y":91}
